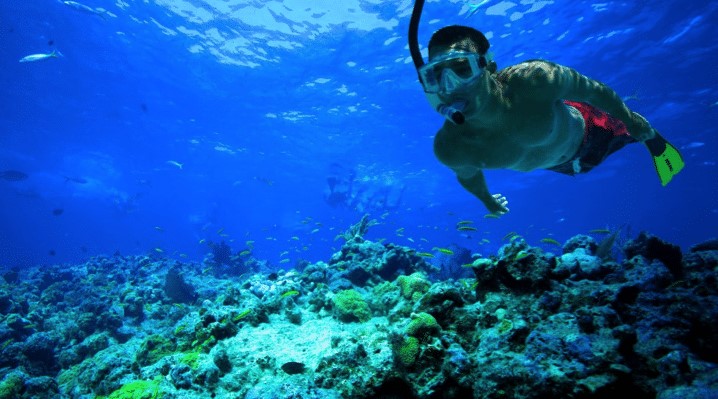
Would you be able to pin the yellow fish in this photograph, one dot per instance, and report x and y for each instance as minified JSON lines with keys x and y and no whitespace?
{"x":443,"y":250}
{"x":244,"y":253}
{"x":424,"y":254}
{"x":550,"y":241}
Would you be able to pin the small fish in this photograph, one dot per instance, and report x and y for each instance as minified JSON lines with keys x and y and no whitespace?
{"x":293,"y":368}
{"x":484,"y":241}
{"x":295,"y":238}
{"x":78,"y":180}
{"x":314,"y":231}
{"x":202,"y":241}
{"x":58,"y":211}
{"x":175,"y":163}
{"x":474,"y":8}
{"x":425,"y":254}
{"x":603,"y":250}
{"x":183,"y":256}
{"x":550,"y":241}
{"x":400,"y":230}
{"x":632,"y":97}
{"x":521,"y":255}
{"x":464,"y":222}
{"x":159,"y":250}
{"x":244,"y":253}
{"x":444,"y":251}
{"x":83,"y":8}
{"x":466,"y":228}
{"x":491,"y":216}
{"x":158,"y":228}
{"x":509,"y":235}
{"x":283,"y":253}
{"x":599,"y":231}
{"x":249,"y":243}
{"x":13,"y":175}
{"x":284,"y":261}
{"x":40,"y":57}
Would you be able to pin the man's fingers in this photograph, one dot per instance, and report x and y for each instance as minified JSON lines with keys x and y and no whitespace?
{"x":501,"y":199}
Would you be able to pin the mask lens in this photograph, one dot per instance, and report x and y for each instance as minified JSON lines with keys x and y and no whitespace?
{"x":461,"y":67}
{"x":450,"y":71}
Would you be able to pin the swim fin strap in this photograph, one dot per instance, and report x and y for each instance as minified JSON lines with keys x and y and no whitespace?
{"x":666,"y":158}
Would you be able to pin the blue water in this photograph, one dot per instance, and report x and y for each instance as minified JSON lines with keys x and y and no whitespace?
{"x":262,"y":101}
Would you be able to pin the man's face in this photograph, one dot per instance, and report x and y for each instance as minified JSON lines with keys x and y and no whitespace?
{"x":454,"y":74}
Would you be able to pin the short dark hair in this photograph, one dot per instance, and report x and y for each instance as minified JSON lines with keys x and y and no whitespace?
{"x":461,"y":37}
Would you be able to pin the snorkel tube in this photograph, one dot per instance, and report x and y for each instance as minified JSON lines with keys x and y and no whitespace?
{"x":452,"y":112}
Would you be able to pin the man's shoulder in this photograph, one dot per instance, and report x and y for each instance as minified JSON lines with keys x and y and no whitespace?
{"x":531,"y":71}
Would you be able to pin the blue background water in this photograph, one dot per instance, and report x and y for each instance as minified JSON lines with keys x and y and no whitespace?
{"x":261,"y":101}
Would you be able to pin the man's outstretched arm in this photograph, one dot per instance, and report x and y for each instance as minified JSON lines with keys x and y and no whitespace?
{"x":475,"y":183}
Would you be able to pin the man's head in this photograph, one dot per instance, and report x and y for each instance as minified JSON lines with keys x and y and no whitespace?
{"x":457,"y":38}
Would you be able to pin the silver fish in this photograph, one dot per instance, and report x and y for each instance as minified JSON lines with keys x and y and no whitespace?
{"x":40,"y":57}
{"x":83,"y":8}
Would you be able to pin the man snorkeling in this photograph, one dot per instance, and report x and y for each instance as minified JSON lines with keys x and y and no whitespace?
{"x":533,"y":115}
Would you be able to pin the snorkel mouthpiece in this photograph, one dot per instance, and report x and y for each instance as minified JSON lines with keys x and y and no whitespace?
{"x":452,"y":112}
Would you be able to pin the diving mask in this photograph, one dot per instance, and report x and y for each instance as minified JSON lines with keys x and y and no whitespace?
{"x":452,"y":71}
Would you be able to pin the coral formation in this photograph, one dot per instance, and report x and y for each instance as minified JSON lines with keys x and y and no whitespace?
{"x":370,"y":322}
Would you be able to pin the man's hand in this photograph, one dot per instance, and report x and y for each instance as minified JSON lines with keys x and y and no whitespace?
{"x":498,"y":205}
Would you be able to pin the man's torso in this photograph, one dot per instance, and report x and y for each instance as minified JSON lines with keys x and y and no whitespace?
{"x":530,"y":132}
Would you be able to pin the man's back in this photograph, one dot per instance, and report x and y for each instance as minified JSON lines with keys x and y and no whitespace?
{"x":529,"y":128}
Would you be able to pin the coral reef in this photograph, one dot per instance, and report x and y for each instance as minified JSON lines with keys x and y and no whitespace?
{"x":375,"y":320}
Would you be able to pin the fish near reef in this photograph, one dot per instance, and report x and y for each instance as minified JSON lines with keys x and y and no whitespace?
{"x":293,"y":368}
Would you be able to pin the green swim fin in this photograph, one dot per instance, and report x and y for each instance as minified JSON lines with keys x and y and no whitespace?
{"x":666,"y":158}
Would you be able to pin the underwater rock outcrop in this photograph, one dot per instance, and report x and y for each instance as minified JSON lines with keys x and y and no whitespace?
{"x":370,"y":322}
